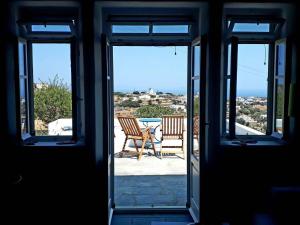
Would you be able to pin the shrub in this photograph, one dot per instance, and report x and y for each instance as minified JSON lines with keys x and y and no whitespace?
{"x":153,"y":111}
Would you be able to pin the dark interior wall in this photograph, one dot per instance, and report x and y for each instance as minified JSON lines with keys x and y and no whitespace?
{"x":243,"y":178}
{"x":56,"y":183}
{"x":67,"y":183}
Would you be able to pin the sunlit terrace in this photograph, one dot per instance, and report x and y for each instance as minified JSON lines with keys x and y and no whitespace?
{"x":155,"y":179}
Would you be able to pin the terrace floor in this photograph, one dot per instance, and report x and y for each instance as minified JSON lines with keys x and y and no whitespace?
{"x":151,"y":181}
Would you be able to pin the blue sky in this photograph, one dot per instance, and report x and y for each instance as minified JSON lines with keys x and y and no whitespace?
{"x":252,"y":73}
{"x":49,"y":60}
{"x":141,"y":68}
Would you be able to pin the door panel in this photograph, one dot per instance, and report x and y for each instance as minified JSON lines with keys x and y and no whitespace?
{"x":197,"y":122}
{"x":107,"y":120}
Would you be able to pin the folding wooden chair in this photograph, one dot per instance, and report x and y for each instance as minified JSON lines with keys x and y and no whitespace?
{"x":172,"y":128}
{"x":133,"y":131}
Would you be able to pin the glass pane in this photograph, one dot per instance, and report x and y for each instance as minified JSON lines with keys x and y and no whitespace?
{"x":252,"y":87}
{"x":196,"y":102}
{"x":280,"y":60}
{"x":52,"y":89}
{"x":197,"y":61}
{"x":229,"y":59}
{"x":22,"y":59}
{"x":228,"y":89}
{"x":251,"y":27}
{"x":227,"y":105}
{"x":196,"y":99}
{"x":50,"y":28}
{"x":134,"y":29}
{"x":23,"y":106}
{"x":279,"y":98}
{"x":182,"y":29}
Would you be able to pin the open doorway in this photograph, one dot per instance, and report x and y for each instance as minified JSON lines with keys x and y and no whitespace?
{"x":150,"y":87}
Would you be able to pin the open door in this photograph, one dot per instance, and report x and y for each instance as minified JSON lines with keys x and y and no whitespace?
{"x":108,"y":122}
{"x":196,"y":122}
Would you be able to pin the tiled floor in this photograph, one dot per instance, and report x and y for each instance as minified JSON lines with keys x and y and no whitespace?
{"x":150,"y":191}
{"x":151,"y":181}
{"x":147,"y":219}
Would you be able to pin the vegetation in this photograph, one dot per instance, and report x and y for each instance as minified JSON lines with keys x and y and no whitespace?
{"x":196,"y":106}
{"x":153,"y":111}
{"x":52,"y":101}
{"x":119,"y":94}
{"x":280,"y":101}
{"x":130,"y":103}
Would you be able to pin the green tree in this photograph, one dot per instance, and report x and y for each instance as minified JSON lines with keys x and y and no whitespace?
{"x":153,"y":111}
{"x":196,"y":105}
{"x":52,"y":101}
{"x":130,"y":103}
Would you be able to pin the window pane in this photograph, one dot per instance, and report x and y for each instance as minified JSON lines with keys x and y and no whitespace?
{"x":23,"y":106}
{"x":229,"y":60}
{"x":197,"y":61}
{"x":252,"y":86}
{"x":227,"y":105}
{"x":50,"y":28}
{"x":52,"y":89}
{"x":167,"y":29}
{"x":196,"y":85}
{"x":251,"y":27}
{"x":280,"y":64}
{"x":134,"y":29}
{"x":22,"y":59}
{"x":279,"y":93}
{"x":228,"y":88}
{"x":196,"y":99}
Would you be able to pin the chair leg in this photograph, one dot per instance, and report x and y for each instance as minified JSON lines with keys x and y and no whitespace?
{"x":161,"y":147}
{"x":141,"y":152}
{"x":182,"y":147}
{"x":135,"y":144}
{"x":123,"y":149}
{"x":153,"y":146}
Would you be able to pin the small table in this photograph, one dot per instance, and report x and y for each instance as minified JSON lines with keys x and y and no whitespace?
{"x":146,"y":122}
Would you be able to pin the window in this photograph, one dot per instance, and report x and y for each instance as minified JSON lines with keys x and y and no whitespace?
{"x":52,"y":89}
{"x":50,"y":28}
{"x":196,"y":98}
{"x":155,"y":29}
{"x":255,"y":26}
{"x":23,"y":87}
{"x":130,"y":29}
{"x":166,"y":29}
{"x":279,"y":84}
{"x":251,"y":27}
{"x":252,"y":89}
{"x":46,"y":80}
{"x":227,"y":105}
{"x":254,"y":92}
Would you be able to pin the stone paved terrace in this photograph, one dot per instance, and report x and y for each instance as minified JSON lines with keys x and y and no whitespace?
{"x":151,"y":181}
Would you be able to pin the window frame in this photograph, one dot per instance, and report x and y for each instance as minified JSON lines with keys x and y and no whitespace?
{"x":270,"y":96}
{"x":275,"y":25}
{"x":25,"y":77}
{"x":286,"y":82}
{"x":151,"y":37}
{"x":51,"y":37}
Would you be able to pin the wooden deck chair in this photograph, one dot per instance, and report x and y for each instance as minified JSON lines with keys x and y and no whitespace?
{"x":196,"y":127}
{"x":133,"y":131}
{"x":196,"y":135}
{"x":172,"y":128}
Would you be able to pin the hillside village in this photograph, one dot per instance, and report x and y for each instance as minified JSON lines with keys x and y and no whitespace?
{"x":128,"y":103}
